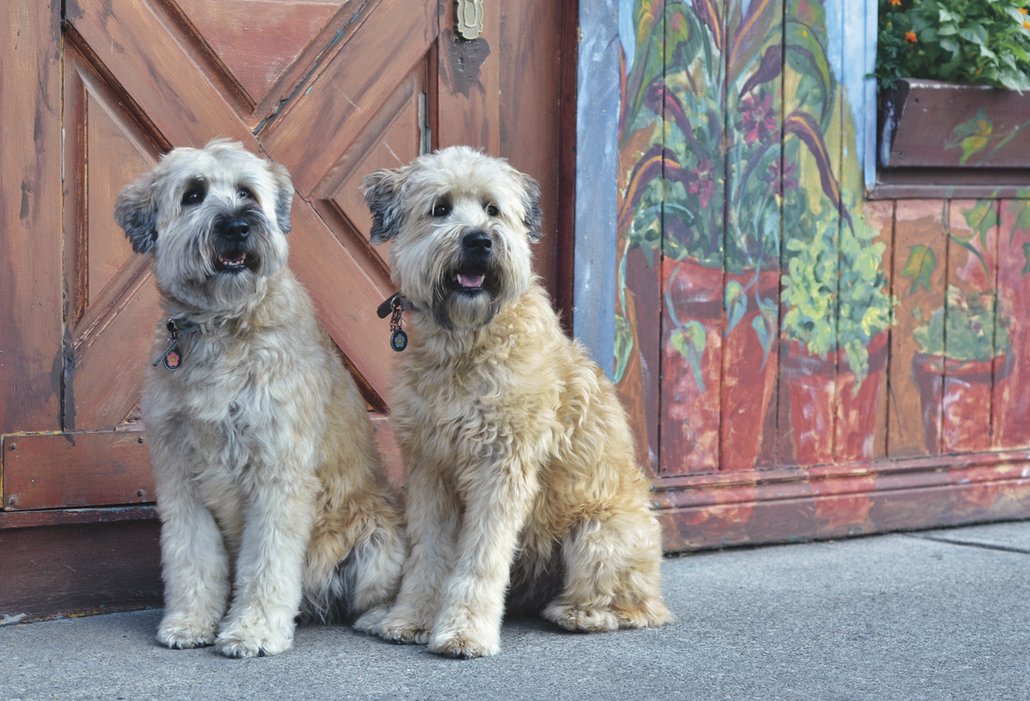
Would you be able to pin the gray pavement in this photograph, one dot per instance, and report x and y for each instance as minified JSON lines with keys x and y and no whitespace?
{"x":934,"y":615}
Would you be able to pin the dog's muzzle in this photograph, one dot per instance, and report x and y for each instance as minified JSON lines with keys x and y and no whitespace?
{"x":233,"y":244}
{"x":471,"y":275}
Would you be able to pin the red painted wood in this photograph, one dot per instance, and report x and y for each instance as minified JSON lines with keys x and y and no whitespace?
{"x":72,"y":470}
{"x":980,"y":127}
{"x":30,"y":223}
{"x":920,"y":245}
{"x":73,"y":568}
{"x":1011,"y":401}
{"x":787,"y":505}
{"x":258,"y":40}
{"x":967,"y":386}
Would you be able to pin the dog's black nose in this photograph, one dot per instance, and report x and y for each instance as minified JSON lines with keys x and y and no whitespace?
{"x":236,"y":229}
{"x":477,"y":242}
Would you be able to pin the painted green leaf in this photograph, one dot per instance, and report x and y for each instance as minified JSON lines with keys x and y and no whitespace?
{"x":689,"y":341}
{"x":736,"y":304}
{"x":982,"y":217}
{"x":920,"y":266}
{"x":971,"y":136}
{"x":1026,"y":258}
{"x":1019,"y":210}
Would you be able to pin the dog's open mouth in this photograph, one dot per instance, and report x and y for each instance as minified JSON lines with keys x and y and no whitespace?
{"x":233,"y":262}
{"x":469,"y":281}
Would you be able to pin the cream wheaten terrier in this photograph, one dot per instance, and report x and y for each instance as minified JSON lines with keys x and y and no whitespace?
{"x":519,"y":458}
{"x":269,"y":488}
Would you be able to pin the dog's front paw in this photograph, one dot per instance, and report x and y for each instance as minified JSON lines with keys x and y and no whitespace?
{"x":242,"y":640}
{"x":181,"y":632}
{"x":401,"y":632}
{"x":580,"y":619}
{"x":463,"y":645}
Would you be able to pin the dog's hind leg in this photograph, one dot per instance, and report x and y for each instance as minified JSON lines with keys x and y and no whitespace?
{"x":375,"y":569}
{"x":432,"y":527}
{"x":613,"y":575}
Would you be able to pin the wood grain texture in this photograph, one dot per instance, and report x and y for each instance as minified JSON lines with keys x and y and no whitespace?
{"x":919,"y":275}
{"x":30,"y":223}
{"x":72,"y":470}
{"x":1011,"y":401}
{"x":75,"y":568}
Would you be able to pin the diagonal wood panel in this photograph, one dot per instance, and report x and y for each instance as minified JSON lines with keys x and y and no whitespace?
{"x":257,"y":40}
{"x":376,"y":56}
{"x":170,"y":92}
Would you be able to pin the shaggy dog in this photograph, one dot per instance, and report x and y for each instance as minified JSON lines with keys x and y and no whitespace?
{"x":519,"y":457}
{"x":269,"y":487}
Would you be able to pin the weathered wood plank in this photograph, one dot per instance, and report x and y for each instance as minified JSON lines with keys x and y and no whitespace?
{"x":30,"y":223}
{"x":78,"y":568}
{"x":469,"y":82}
{"x":1011,"y":401}
{"x":71,"y":470}
{"x":918,"y":283}
{"x":969,"y":343}
{"x":754,"y":103}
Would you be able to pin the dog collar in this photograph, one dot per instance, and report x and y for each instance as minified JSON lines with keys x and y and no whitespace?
{"x":178,"y":330}
{"x":393,"y":306}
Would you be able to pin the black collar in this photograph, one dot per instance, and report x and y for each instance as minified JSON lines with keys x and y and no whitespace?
{"x":179,"y":329}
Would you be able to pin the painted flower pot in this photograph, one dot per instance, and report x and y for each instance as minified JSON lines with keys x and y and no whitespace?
{"x":950,"y":392}
{"x":714,"y":408}
{"x":820,"y":388}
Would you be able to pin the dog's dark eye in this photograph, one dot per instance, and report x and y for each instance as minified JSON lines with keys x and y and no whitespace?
{"x":492,"y":210}
{"x":194,"y":195}
{"x":245,"y":193}
{"x":442,"y":208}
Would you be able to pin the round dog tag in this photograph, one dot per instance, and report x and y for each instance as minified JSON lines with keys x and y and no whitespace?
{"x":398,"y":340}
{"x":172,"y":359}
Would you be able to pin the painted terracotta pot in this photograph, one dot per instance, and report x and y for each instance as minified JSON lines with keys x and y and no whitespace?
{"x":825,"y":408}
{"x":950,"y":392}
{"x":713,"y":412}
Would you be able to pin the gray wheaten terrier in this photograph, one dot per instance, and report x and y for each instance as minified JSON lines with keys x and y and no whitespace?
{"x":519,"y":457}
{"x":269,"y":488}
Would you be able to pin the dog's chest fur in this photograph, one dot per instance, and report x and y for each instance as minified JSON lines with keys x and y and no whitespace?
{"x":474,"y":401}
{"x":238,"y":384}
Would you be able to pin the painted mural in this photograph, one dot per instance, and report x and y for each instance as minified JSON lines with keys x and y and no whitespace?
{"x":768,"y":315}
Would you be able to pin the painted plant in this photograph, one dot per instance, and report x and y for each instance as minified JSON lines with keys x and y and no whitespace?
{"x":716,"y":163}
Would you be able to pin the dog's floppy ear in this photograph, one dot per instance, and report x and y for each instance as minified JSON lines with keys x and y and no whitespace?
{"x":534,"y":218}
{"x":283,"y":196}
{"x":136,"y":212}
{"x":380,"y":190}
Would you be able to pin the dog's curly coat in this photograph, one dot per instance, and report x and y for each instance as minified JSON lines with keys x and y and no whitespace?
{"x":268,"y":483}
{"x":519,"y":457}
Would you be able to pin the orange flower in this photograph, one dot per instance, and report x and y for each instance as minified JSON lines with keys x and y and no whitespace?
{"x":911,"y":37}
{"x":1026,"y":25}
{"x":895,"y":3}
{"x":1022,"y":10}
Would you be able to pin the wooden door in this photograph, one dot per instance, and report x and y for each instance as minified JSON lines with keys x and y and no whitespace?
{"x":96,"y":90}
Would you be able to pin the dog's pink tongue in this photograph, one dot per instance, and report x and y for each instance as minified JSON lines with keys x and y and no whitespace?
{"x":470,"y":281}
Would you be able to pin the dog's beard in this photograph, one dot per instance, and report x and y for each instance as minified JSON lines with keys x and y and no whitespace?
{"x":211,"y":275}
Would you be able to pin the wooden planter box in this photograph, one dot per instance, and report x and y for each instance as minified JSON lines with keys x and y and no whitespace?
{"x":970,"y":138}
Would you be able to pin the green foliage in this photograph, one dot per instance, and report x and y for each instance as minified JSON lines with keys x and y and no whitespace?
{"x":976,"y":42}
{"x":834,"y":291}
{"x":919,"y":267}
{"x":966,"y":328}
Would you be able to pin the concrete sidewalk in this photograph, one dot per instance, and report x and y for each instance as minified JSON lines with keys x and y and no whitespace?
{"x":934,"y":615}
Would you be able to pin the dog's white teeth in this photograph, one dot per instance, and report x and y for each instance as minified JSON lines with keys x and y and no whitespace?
{"x":470,"y":281}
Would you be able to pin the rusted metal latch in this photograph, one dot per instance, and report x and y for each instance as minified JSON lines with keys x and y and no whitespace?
{"x":470,"y":19}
